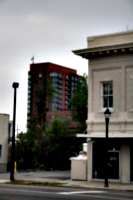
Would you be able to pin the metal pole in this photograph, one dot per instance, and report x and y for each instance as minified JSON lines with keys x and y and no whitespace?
{"x":15,"y":85}
{"x":106,"y":154}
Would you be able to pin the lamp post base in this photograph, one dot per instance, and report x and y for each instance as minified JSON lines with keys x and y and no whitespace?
{"x":106,"y":185}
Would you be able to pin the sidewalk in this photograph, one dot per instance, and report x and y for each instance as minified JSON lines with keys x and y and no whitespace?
{"x":80,"y":184}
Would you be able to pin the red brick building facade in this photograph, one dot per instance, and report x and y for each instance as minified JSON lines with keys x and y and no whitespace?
{"x":63,"y":80}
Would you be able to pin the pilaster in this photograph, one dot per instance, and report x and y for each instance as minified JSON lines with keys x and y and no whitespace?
{"x":89,"y":160}
{"x":123,"y":89}
{"x":125,"y":163}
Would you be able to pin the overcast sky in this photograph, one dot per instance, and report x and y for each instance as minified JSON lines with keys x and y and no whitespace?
{"x":50,"y":29}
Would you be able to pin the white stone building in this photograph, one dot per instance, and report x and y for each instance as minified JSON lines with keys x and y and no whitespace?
{"x":110,"y":62}
{"x":4,"y":125}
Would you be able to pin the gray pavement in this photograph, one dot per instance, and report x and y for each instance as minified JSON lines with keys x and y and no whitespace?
{"x":63,"y":177}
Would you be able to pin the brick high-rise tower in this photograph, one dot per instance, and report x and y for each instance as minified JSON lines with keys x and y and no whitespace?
{"x":63,"y":80}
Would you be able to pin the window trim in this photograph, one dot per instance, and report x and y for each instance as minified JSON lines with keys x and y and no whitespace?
{"x":104,"y":108}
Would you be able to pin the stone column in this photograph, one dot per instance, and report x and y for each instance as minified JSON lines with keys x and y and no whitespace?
{"x":89,"y":159}
{"x":125,"y":163}
{"x":122,"y":113}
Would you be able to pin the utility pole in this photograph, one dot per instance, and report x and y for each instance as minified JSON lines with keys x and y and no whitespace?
{"x":15,"y":86}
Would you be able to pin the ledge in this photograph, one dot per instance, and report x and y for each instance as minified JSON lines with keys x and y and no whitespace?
{"x":102,"y":135}
{"x":102,"y":110}
{"x":107,"y":50}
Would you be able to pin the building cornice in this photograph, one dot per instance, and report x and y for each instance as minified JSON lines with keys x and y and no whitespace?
{"x":104,"y":51}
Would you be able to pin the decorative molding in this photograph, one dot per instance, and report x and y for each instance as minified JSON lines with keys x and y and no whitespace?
{"x":102,"y":110}
{"x":103,"y":50}
{"x":106,"y":69}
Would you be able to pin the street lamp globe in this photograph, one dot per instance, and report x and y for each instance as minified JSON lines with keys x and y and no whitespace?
{"x":107,"y":114}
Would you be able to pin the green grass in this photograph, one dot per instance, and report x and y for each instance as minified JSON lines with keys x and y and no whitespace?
{"x":22,"y":182}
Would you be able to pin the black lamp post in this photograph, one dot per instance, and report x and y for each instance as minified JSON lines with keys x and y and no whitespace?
{"x":107,"y":114}
{"x":15,"y":85}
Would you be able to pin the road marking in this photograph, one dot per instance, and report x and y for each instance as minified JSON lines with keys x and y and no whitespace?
{"x":90,"y":193}
{"x":65,"y":193}
{"x":30,"y":191}
{"x":80,"y":192}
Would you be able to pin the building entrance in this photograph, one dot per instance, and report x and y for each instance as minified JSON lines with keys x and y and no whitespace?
{"x":98,"y":162}
{"x":113,"y":164}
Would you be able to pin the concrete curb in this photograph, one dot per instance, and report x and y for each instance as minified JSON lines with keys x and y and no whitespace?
{"x":81,"y":184}
{"x":4,"y":181}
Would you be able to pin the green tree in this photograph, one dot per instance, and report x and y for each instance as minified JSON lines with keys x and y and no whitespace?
{"x":47,"y":147}
{"x":61,"y":146}
{"x":79,"y":101}
{"x":56,"y":153}
{"x":26,"y":149}
{"x":42,"y":93}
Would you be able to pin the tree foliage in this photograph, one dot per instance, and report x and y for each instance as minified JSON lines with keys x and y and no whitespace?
{"x":42,"y":94}
{"x":47,"y":147}
{"x":79,"y":100}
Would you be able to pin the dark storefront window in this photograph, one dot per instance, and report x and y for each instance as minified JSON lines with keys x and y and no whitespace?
{"x":98,"y":161}
{"x":98,"y":171}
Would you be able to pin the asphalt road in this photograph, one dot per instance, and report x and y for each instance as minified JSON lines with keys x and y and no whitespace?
{"x":13,"y":192}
